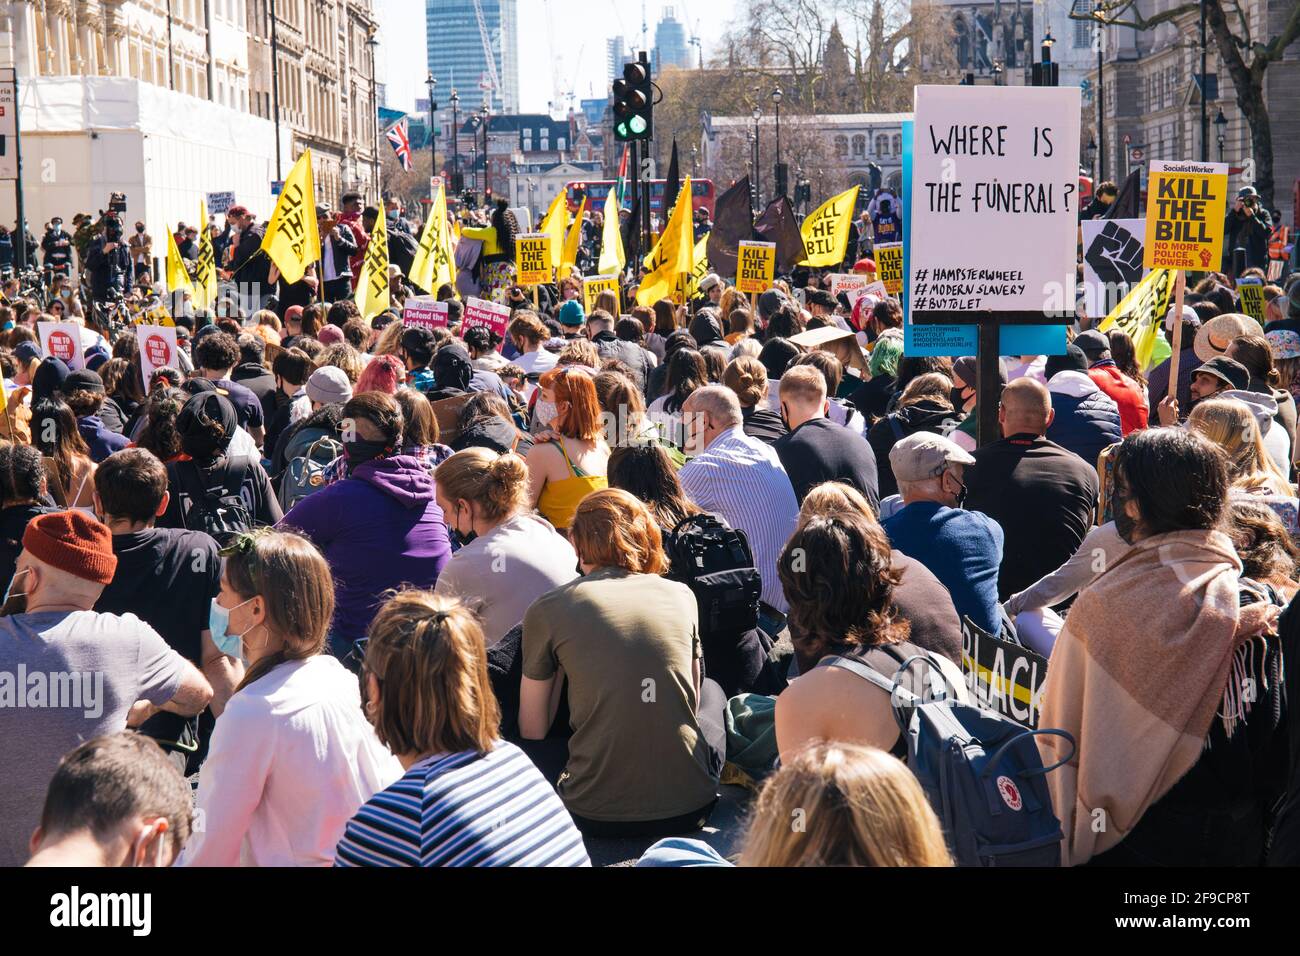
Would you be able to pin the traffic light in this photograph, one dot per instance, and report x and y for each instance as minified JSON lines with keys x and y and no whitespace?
{"x":634,"y":102}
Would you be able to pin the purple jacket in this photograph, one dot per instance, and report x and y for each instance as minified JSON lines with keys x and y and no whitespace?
{"x":379,"y":529}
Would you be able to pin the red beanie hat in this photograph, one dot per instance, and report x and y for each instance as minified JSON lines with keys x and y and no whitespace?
{"x":867,"y":266}
{"x":72,"y":542}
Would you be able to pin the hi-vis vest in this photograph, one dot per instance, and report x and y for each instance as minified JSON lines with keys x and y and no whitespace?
{"x":1277,"y":243}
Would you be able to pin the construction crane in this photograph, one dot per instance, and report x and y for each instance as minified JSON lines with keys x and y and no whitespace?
{"x":493,"y":78}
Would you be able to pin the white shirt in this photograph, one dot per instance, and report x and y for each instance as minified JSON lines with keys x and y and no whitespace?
{"x":540,"y":361}
{"x":291,"y":761}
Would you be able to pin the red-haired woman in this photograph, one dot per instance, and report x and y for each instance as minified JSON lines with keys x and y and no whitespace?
{"x":563,"y":472}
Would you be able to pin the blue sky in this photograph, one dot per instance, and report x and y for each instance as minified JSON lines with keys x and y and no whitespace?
{"x":563,"y":43}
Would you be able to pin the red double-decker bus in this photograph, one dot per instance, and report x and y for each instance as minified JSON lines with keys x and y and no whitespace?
{"x":702,"y":194}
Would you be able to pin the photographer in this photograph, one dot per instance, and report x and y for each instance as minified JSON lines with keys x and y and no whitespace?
{"x":108,"y":260}
{"x":57,"y":245}
{"x":1248,"y":226}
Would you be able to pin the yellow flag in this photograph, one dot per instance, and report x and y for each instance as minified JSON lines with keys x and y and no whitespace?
{"x":826,"y":231}
{"x":291,"y":239}
{"x":570,"y":258}
{"x":674,"y":253}
{"x":553,"y":225}
{"x":372,"y":288}
{"x":205,"y":269}
{"x":1141,"y":314}
{"x":612,"y":258}
{"x":177,"y":276}
{"x":434,"y":263}
{"x":699,"y":268}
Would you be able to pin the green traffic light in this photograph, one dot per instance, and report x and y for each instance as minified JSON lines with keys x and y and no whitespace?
{"x":638,"y":124}
{"x":621,"y":129}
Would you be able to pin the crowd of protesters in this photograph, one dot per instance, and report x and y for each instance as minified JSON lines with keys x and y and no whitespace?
{"x":340,"y":590}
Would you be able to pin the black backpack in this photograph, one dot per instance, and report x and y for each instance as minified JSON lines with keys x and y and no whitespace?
{"x":981,"y":771}
{"x":715,"y":562}
{"x":221,"y":514}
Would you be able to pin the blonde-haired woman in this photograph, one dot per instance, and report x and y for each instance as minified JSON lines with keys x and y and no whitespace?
{"x":467,"y":798}
{"x":648,"y":740}
{"x":858,"y":807}
{"x":509,"y":556}
{"x":1232,"y":426}
{"x":292,"y":756}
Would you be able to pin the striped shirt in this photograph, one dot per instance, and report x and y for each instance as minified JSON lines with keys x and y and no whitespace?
{"x":465,"y":809}
{"x":740,"y":479}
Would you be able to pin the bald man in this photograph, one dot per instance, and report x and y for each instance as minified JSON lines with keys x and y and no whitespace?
{"x":1042,"y":495}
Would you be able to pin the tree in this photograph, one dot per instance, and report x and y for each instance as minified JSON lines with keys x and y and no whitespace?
{"x":1245,"y":58}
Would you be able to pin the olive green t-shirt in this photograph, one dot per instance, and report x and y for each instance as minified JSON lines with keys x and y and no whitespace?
{"x":626,"y":643}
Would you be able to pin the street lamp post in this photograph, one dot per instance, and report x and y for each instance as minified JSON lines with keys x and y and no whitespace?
{"x":430,"y":82}
{"x":1221,"y":127}
{"x":487,"y":169}
{"x":1092,"y":159}
{"x":372,"y":42}
{"x":1205,"y":115}
{"x":778,"y":178}
{"x":753,"y":188}
{"x":1099,"y":40}
{"x":758,"y":193}
{"x":455,"y":144}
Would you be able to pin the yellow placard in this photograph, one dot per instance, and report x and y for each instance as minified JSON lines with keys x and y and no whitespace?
{"x":889,"y":266}
{"x":1252,"y":298}
{"x":592,"y":286}
{"x":1186,"y":204}
{"x":533,"y":258}
{"x":755,"y":266}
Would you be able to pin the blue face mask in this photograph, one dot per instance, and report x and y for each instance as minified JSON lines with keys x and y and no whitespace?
{"x":232,"y":645}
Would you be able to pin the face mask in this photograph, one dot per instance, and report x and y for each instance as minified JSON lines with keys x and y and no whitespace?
{"x":545,"y":411}
{"x":359,"y":451}
{"x":139,"y":228}
{"x":1125,"y":526}
{"x":14,"y":603}
{"x":961,"y":495}
{"x":232,"y":645}
{"x":958,"y":398}
{"x":462,"y":538}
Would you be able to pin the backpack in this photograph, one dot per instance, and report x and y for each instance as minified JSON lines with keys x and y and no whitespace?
{"x":306,"y":473}
{"x":221,"y":514}
{"x":981,"y":771}
{"x":715,"y":562}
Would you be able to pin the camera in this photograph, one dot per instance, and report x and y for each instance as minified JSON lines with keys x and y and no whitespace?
{"x":117,"y":202}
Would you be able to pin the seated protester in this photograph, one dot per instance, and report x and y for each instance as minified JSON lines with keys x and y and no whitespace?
{"x":600,"y":328}
{"x":741,"y":480}
{"x":417,"y":352}
{"x":776,"y":355}
{"x":113,"y":801}
{"x":1037,"y":625}
{"x":838,"y":410}
{"x":1219,"y":377}
{"x":1188,"y":361}
{"x":482,"y":342}
{"x":920,"y":597}
{"x":157,"y":433}
{"x":120,"y":669}
{"x":847,"y":557}
{"x":564,"y":470}
{"x":288,"y":404}
{"x":735,"y":658}
{"x":420,"y":437}
{"x":167,"y":577}
{"x":509,"y":556}
{"x":1268,"y":553}
{"x":747,"y":377}
{"x":242,"y":444}
{"x":1085,"y":419}
{"x":1253,"y":351}
{"x":962,"y":548}
{"x":628,"y":423}
{"x":123,"y":393}
{"x":83,"y":390}
{"x":1232,"y":426}
{"x":872,"y":397}
{"x":863,"y":807}
{"x":252,"y":373}
{"x":293,"y":757}
{"x":529,"y":335}
{"x":424,"y":681}
{"x":380,"y":527}
{"x":687,"y":371}
{"x":452,"y":373}
{"x":964,"y":374}
{"x":205,"y":490}
{"x":22,"y":487}
{"x":327,"y":390}
{"x":1043,"y":497}
{"x":656,"y":383}
{"x":66,"y":456}
{"x":817,"y":449}
{"x":637,"y":627}
{"x":1103,"y":370}
{"x":215,"y":357}
{"x":925,"y":405}
{"x":1146,"y":676}
{"x":485,"y":422}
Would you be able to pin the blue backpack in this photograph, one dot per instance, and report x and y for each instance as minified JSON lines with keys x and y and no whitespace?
{"x":981,"y":771}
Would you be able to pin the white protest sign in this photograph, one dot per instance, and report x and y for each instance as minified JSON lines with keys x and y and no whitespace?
{"x":1112,"y":261}
{"x":489,"y":315}
{"x":220,"y":202}
{"x":62,"y":340}
{"x":425,"y":312}
{"x":850,"y":282}
{"x":995,"y":182}
{"x":157,"y":349}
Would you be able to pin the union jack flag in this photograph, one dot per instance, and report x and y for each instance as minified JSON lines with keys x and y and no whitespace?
{"x":401,"y":141}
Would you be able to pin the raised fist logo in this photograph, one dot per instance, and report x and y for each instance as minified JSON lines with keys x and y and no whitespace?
{"x":1115,"y":255}
{"x":1205,"y":258}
